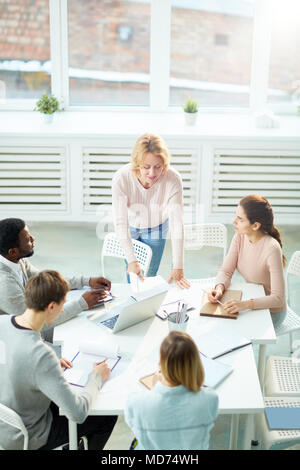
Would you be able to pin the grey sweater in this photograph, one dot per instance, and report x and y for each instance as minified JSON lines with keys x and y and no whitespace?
{"x":12,"y":300}
{"x":30,"y":378}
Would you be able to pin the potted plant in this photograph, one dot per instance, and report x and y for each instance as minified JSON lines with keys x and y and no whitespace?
{"x":191,"y":112}
{"x":47,"y":105}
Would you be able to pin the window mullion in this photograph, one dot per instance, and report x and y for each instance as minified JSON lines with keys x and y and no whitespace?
{"x":59,"y":49}
{"x":260,"y":56}
{"x":160,"y":54}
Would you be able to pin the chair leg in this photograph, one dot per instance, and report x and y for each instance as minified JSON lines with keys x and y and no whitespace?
{"x":85,"y":443}
{"x":291,"y":342}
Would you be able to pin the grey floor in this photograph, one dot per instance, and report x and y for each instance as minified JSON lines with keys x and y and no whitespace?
{"x":74,"y":249}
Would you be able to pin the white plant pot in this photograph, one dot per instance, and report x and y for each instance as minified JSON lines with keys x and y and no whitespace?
{"x":190,"y":118}
{"x":48,"y":118}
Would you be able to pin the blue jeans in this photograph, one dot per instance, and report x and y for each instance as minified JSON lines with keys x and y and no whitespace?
{"x":154,"y":237}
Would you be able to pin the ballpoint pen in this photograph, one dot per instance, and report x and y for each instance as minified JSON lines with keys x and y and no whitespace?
{"x":98,"y":363}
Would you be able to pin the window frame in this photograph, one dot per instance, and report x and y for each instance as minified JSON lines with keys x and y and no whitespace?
{"x":159,"y":76}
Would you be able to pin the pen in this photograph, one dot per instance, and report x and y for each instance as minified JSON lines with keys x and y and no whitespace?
{"x":98,"y":363}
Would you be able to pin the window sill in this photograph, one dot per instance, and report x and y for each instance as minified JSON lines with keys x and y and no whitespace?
{"x":129,"y":124}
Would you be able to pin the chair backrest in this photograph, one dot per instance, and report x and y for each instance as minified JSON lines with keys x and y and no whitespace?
{"x":294,"y":269}
{"x":198,"y":235}
{"x":112,"y":247}
{"x":9,"y":416}
{"x":294,"y":264}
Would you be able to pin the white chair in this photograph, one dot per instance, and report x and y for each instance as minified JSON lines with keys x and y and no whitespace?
{"x":291,"y":322}
{"x":112,"y":247}
{"x":10,"y":417}
{"x":285,"y":437}
{"x":282,"y":376}
{"x":198,"y":235}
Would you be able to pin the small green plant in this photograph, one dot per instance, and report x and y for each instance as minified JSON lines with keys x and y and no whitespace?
{"x":47,"y":104}
{"x":190,"y":106}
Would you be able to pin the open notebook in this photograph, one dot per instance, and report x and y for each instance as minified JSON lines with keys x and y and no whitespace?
{"x":89,"y":353}
{"x":216,"y":310}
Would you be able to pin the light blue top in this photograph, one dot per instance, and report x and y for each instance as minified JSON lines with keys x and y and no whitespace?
{"x":172,"y":418}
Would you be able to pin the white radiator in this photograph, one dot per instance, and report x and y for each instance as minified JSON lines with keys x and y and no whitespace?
{"x":99,"y":166}
{"x":275,"y":175}
{"x":32,"y":178}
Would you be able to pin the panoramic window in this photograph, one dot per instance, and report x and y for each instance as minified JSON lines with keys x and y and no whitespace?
{"x":284,"y":72}
{"x":25,"y":67}
{"x":109,"y":48}
{"x":211,"y":51}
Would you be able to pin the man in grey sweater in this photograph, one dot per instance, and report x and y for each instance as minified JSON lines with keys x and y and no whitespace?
{"x":16,"y":245}
{"x":32,"y":380}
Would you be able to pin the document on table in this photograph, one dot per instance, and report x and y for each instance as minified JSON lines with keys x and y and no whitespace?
{"x":149,"y":283}
{"x":214,"y":371}
{"x":88,"y":354}
{"x":214,"y":340}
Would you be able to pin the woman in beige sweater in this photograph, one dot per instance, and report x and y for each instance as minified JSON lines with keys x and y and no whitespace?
{"x":147,"y":200}
{"x":256,"y":253}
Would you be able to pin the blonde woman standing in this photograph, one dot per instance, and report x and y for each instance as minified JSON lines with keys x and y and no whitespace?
{"x":147,"y":202}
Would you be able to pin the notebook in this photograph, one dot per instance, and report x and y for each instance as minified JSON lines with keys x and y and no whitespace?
{"x":216,"y":310}
{"x":89,"y":353}
{"x":283,"y":417}
{"x":214,"y":340}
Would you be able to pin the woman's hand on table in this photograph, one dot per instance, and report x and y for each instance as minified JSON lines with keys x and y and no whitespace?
{"x":178,"y":277}
{"x":135,"y":268}
{"x":216,"y":294}
{"x":235,"y":306}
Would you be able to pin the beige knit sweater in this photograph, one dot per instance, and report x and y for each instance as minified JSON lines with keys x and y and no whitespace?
{"x":136,"y":206}
{"x":259,"y":263}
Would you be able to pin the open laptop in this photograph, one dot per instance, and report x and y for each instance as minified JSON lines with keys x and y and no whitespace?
{"x":135,"y":309}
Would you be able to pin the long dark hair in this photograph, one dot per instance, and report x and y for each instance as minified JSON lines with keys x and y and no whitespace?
{"x":258,"y":209}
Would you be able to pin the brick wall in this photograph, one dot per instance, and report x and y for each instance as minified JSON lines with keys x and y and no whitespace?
{"x":205,"y":46}
{"x":24,"y":30}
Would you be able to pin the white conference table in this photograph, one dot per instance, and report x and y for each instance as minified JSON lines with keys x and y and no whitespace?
{"x":240,"y":393}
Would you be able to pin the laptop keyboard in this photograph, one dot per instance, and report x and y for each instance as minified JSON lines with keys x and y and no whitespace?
{"x":110,"y":323}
